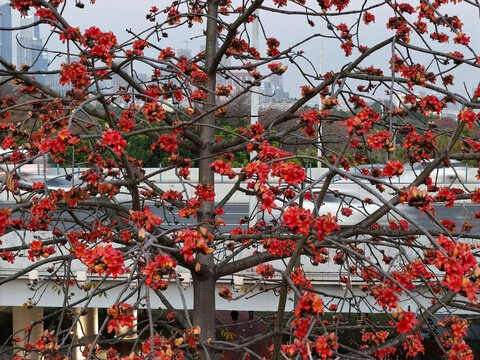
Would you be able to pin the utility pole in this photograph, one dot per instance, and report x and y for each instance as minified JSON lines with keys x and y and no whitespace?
{"x":254,"y":105}
{"x":320,"y":72}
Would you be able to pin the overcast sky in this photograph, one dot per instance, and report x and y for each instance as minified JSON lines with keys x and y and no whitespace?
{"x":119,"y":15}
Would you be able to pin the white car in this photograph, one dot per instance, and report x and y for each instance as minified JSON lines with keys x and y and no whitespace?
{"x":348,"y":209}
{"x":53,"y":183}
{"x":356,"y":171}
{"x":441,"y":175}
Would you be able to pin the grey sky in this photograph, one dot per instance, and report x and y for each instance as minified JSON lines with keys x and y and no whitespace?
{"x":119,"y":15}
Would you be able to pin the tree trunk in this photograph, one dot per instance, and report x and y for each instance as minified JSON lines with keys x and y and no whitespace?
{"x":204,"y":288}
{"x":204,"y":307}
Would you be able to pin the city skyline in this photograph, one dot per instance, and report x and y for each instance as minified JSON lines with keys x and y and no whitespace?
{"x":29,"y":49}
{"x":30,"y":46}
{"x":6,"y":36}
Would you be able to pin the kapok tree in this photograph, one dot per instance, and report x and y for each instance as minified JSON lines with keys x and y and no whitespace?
{"x":132,"y":233}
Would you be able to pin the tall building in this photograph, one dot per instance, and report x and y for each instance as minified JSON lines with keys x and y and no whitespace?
{"x":238,"y":80}
{"x":52,"y":81}
{"x":30,"y":49}
{"x":40,"y":61}
{"x":184,"y":52}
{"x":273,"y":86}
{"x":118,"y":81}
{"x":6,"y":36}
{"x":25,"y":42}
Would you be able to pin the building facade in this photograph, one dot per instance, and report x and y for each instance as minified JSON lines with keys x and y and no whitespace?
{"x":6,"y":36}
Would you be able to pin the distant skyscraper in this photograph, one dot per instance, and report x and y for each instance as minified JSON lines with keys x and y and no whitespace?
{"x":36,"y":29}
{"x":25,"y":42}
{"x":184,"y":52}
{"x":6,"y":36}
{"x":30,"y":47}
{"x":40,"y":55}
{"x":273,"y":86}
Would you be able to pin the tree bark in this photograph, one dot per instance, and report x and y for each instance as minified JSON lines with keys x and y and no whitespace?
{"x":204,"y":288}
{"x":204,"y":307}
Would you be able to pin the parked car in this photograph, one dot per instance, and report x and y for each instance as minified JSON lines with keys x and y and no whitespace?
{"x":54,"y":183}
{"x":340,"y":206}
{"x":457,"y":171}
{"x":354,"y":171}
